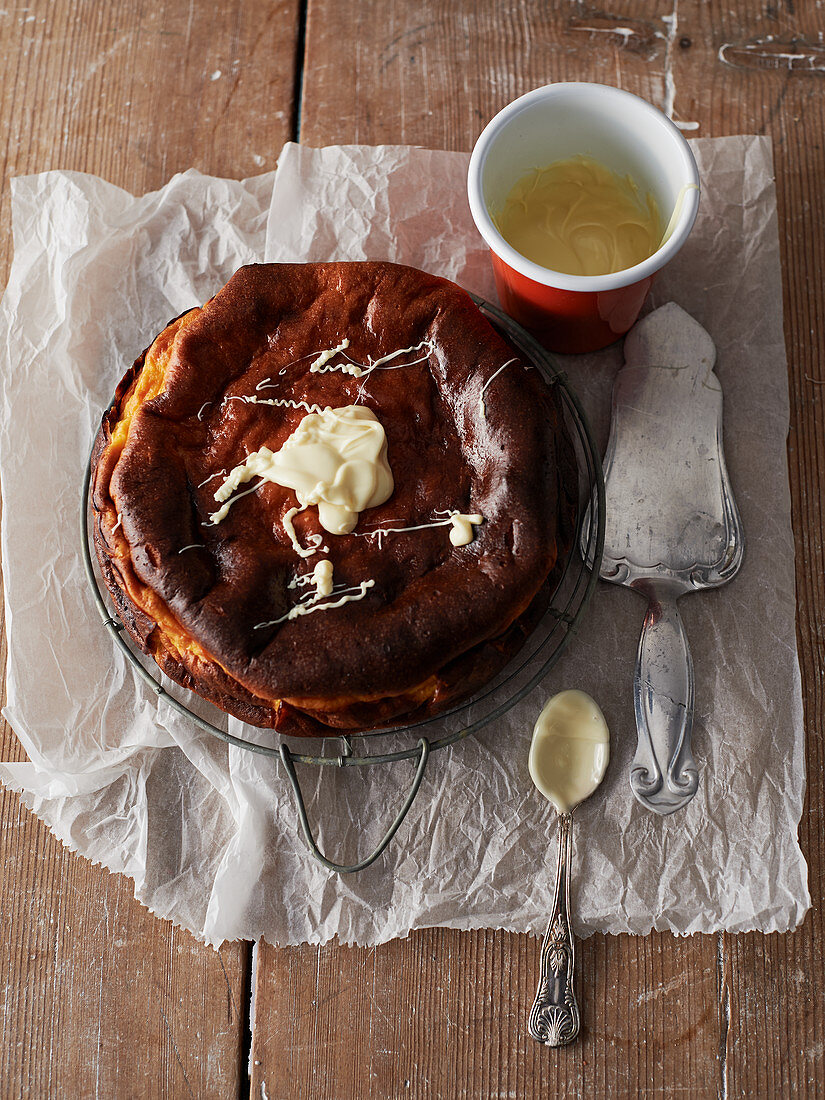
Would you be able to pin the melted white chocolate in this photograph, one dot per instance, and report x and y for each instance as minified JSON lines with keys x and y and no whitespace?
{"x":322,"y":578}
{"x":211,"y":477}
{"x":322,"y":358}
{"x":677,"y":210}
{"x":216,"y":517}
{"x":281,"y":402}
{"x":314,"y":540}
{"x":570,"y":749}
{"x":311,"y":603}
{"x":461,"y":533}
{"x":580,"y":217}
{"x":301,"y":581}
{"x":492,"y":378}
{"x":325,"y":356}
{"x":361,"y":370}
{"x":335,"y":459}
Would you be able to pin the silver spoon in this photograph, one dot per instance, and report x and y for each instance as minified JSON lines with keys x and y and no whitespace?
{"x":569,"y":754}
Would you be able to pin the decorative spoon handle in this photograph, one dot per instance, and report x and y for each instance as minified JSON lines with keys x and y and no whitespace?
{"x":663,"y":776}
{"x":554,"y":1017}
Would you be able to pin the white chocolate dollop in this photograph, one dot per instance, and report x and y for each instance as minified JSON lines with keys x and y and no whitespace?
{"x":462,"y":527}
{"x":322,"y":578}
{"x":335,"y":459}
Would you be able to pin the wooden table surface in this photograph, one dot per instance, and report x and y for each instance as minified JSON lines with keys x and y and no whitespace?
{"x":101,"y":999}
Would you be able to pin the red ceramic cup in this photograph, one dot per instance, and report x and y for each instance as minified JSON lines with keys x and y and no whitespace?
{"x":577,"y":313}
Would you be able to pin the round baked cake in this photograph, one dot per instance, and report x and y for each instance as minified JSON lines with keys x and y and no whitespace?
{"x":332,"y":498}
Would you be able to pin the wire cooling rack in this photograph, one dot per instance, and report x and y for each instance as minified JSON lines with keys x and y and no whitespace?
{"x":540,"y":652}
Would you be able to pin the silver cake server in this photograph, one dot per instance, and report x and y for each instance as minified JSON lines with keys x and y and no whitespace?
{"x":672,"y":527}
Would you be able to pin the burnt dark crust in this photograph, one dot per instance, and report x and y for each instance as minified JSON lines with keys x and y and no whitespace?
{"x":439,"y":619}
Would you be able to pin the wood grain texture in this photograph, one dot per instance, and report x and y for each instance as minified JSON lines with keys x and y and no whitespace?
{"x":762,"y":72}
{"x":443,"y":1014}
{"x":135,"y":91}
{"x":99,"y":997}
{"x":433,"y":73}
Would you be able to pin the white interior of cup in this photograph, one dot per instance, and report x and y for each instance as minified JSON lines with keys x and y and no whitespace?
{"x":559,"y":121}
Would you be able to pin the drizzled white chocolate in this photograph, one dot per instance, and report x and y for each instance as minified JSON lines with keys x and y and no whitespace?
{"x":313,"y":540}
{"x":461,"y":533}
{"x":312,"y":602}
{"x":361,"y":370}
{"x":302,"y":580}
{"x":216,"y":517}
{"x":330,"y":353}
{"x":281,"y":402}
{"x":335,"y":459}
{"x":492,"y":378}
{"x":206,"y":480}
{"x":349,"y":366}
{"x":321,"y":577}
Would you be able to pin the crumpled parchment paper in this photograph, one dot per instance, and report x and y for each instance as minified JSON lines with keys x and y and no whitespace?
{"x":208,"y":833}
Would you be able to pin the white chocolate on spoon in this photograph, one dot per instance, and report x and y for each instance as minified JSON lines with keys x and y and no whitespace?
{"x":570,"y":750}
{"x":568,"y":759}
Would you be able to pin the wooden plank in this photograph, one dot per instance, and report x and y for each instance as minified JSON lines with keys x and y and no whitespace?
{"x":763,"y":71}
{"x":442,"y":1014}
{"x":136,"y":91}
{"x":433,"y":74}
{"x":99,"y":997}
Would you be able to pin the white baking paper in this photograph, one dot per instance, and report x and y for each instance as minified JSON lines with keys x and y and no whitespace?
{"x":209,"y":834}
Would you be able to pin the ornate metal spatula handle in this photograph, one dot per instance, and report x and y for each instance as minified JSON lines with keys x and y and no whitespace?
{"x":554,"y":1017}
